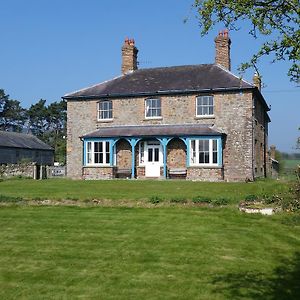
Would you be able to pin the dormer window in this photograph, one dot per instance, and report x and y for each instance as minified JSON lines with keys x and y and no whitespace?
{"x":105,"y":110}
{"x":204,"y":106}
{"x":153,"y":108}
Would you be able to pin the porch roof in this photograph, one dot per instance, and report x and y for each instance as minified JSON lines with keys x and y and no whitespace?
{"x":155,"y":130}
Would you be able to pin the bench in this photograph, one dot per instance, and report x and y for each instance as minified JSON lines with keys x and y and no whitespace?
{"x":177,"y":173}
{"x":123,"y":173}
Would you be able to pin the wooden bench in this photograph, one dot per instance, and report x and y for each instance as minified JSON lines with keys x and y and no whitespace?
{"x":123,"y":173}
{"x":177,"y":173}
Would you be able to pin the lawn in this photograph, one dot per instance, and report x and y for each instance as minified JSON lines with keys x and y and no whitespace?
{"x":136,"y":190}
{"x":141,"y":253}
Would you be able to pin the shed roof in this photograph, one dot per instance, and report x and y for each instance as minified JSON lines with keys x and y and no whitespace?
{"x":155,"y":131}
{"x":165,"y":80}
{"x":21,"y":140}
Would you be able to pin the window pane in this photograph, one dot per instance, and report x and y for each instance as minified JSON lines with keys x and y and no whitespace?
{"x":215,"y":157}
{"x":107,"y":158}
{"x":205,"y":110}
{"x":142,"y":152}
{"x":89,"y":158}
{"x":107,"y":147}
{"x":156,"y":154}
{"x":206,"y":145}
{"x":206,"y":157}
{"x":89,"y":146}
{"x":201,"y":157}
{"x":100,"y":158}
{"x":214,"y":145}
{"x":96,"y":158}
{"x":150,"y":155}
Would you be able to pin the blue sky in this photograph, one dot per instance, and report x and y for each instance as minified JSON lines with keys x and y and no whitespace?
{"x":50,"y":48}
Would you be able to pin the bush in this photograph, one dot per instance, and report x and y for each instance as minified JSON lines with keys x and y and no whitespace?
{"x":178,"y":200}
{"x":251,"y":198}
{"x":201,"y":199}
{"x":220,"y":201}
{"x":10,"y":199}
{"x":155,"y":199}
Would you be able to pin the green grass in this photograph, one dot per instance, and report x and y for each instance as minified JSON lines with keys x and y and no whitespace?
{"x":291,"y":163}
{"x":139,"y":253}
{"x":134,"y":190}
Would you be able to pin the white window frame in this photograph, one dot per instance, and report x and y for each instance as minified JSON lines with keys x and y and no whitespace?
{"x":90,"y":151}
{"x":104,"y":110}
{"x":194,"y":152}
{"x":150,"y":108}
{"x":208,"y":106}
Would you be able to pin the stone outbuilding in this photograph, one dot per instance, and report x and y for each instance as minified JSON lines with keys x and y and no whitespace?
{"x":199,"y":122}
{"x":24,"y":150}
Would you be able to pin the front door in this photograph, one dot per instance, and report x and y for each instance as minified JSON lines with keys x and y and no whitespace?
{"x":153,"y":159}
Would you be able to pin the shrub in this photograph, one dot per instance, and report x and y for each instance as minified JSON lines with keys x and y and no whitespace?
{"x":220,"y":201}
{"x":201,"y":199}
{"x":178,"y":200}
{"x":251,"y":198}
{"x":155,"y":199}
{"x":11,"y":199}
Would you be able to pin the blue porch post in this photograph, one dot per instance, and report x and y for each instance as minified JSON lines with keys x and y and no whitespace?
{"x":133,"y":142}
{"x":164,"y":142}
{"x":187,"y":144}
{"x":112,"y":144}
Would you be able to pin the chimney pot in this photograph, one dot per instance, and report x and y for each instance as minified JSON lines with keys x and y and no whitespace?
{"x":257,"y":80}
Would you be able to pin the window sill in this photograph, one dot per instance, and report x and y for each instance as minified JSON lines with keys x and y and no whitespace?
{"x":97,"y":166}
{"x":205,"y":117}
{"x":152,"y":118}
{"x":205,"y":167}
{"x":105,"y":120}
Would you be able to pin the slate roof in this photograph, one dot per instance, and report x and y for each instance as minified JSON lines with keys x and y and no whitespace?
{"x":21,"y":140}
{"x":166,"y":80}
{"x":155,"y":130}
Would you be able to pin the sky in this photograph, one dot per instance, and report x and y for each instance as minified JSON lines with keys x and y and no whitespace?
{"x":53,"y":47}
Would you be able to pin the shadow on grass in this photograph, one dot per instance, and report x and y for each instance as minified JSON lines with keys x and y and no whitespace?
{"x":282,"y":284}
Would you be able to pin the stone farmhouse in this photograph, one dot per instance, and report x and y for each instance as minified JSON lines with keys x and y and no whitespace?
{"x":199,"y":122}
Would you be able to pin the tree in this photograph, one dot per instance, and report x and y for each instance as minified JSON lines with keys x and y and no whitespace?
{"x":37,"y":118}
{"x":12,"y":116}
{"x":277,"y":20}
{"x":3,"y":99}
{"x":57,"y":118}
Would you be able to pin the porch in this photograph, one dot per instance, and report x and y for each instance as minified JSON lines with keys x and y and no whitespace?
{"x":158,"y":151}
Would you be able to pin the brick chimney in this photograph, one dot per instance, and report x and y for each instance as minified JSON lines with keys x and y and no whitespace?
{"x":272,"y":152}
{"x":257,"y":80}
{"x":129,"y":56}
{"x":222,"y":42}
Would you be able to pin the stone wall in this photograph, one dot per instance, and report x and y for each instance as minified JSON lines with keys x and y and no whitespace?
{"x":233,"y":115}
{"x":92,"y":173}
{"x":30,"y":170}
{"x":205,"y":174}
{"x":123,"y":154}
{"x":260,"y":140}
{"x":176,"y":154}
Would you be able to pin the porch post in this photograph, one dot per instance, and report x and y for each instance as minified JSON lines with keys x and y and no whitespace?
{"x":133,"y":142}
{"x":112,"y":144}
{"x":186,"y":140}
{"x":164,"y":142}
